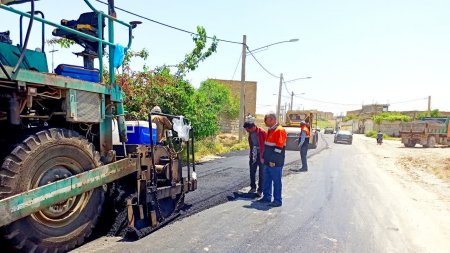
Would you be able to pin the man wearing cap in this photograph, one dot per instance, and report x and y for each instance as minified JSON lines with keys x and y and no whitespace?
{"x":303,"y":143}
{"x":162,"y":123}
{"x":274,"y":153}
{"x":256,"y":138}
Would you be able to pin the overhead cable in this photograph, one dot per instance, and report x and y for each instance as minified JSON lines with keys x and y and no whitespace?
{"x":166,"y":25}
{"x":237,"y":65}
{"x":268,"y":72}
{"x":327,"y":102}
{"x":285,"y":86}
{"x":408,"y":101}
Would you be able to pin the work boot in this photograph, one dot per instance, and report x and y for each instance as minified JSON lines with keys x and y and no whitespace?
{"x":275,"y":204}
{"x":263,"y":200}
{"x":303,"y":169}
{"x":252,"y":190}
{"x":259,"y":194}
{"x":295,"y":170}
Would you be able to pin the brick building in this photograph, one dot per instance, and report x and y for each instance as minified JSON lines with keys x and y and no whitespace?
{"x":232,"y":126}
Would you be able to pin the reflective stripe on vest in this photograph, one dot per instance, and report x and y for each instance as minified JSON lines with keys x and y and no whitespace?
{"x":272,"y":144}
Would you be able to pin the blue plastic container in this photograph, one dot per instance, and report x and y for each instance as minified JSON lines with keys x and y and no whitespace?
{"x":138,"y":132}
{"x":77,"y":72}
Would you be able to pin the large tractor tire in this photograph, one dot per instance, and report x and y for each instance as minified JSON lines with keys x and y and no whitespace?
{"x":431,"y":142}
{"x":410,"y":144}
{"x":42,"y":158}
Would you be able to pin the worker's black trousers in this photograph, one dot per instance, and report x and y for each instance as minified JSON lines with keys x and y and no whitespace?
{"x":253,"y":167}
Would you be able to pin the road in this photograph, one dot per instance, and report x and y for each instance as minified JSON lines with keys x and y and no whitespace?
{"x":349,"y":201}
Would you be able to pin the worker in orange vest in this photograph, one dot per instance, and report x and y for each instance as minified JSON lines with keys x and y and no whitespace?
{"x":303,"y":143}
{"x":273,"y":158}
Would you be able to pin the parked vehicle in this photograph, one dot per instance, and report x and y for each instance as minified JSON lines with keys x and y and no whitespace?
{"x":427,"y":132}
{"x":292,"y":127}
{"x":328,"y":130}
{"x":343,"y":136}
{"x":57,"y":156}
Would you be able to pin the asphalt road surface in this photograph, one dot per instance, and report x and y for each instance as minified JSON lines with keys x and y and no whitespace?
{"x":345,"y":203}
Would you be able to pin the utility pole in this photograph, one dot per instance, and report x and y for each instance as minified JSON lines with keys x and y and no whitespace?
{"x":241,"y":109}
{"x":292,"y":100}
{"x":279,"y":97}
{"x":429,"y":104}
{"x":53,"y":60}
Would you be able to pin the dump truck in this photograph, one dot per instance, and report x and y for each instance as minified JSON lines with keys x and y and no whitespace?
{"x":427,"y":132}
{"x":292,"y":127}
{"x":60,"y":170}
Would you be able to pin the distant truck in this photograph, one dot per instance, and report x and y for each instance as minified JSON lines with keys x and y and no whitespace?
{"x":292,"y":127}
{"x":328,"y":130}
{"x":427,"y":132}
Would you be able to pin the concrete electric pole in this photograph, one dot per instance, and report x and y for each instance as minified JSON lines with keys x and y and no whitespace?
{"x":242,"y":102}
{"x":292,"y":100}
{"x":279,"y":97}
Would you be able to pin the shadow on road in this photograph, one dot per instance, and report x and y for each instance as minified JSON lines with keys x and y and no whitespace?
{"x":242,"y":195}
{"x":252,"y":197}
{"x":258,"y":206}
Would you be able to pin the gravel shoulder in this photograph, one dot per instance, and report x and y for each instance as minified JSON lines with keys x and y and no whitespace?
{"x":429,"y":168}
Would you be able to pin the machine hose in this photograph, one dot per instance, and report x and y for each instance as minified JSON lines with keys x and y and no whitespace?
{"x":27,"y":37}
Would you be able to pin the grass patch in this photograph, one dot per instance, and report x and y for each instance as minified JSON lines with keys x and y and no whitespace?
{"x":220,"y":144}
{"x":373,"y":134}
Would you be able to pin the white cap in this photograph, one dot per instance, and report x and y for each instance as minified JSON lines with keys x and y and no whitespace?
{"x":249,"y":119}
{"x":156,"y":109}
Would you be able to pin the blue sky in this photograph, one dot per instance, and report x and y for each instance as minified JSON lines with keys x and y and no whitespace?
{"x":357,"y":52}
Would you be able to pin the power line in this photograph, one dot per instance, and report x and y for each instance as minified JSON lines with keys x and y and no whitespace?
{"x":343,"y":104}
{"x":268,"y":72}
{"x":408,"y":101}
{"x":237,"y":65}
{"x":166,"y":25}
{"x":326,"y":102}
{"x":285,"y":86}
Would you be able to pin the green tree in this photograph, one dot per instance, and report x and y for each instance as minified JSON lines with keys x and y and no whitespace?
{"x":198,"y":54}
{"x":350,"y":117}
{"x":433,"y":113}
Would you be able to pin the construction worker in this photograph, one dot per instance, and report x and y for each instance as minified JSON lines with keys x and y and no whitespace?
{"x":162,"y":124}
{"x":303,"y":143}
{"x":274,"y":152}
{"x":256,"y":138}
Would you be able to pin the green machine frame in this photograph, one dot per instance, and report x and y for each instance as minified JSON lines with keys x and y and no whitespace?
{"x":21,"y":205}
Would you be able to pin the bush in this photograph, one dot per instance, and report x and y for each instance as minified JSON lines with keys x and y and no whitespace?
{"x":350,"y":117}
{"x":372,"y":134}
{"x":203,"y":107}
{"x":221,"y":144}
{"x":391,"y":116}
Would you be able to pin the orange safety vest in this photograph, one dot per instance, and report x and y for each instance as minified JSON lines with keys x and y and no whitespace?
{"x":276,"y":137}
{"x":307,"y":131}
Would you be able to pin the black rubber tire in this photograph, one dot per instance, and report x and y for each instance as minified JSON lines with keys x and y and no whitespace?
{"x":431,"y":142}
{"x":410,"y":144}
{"x":26,"y":165}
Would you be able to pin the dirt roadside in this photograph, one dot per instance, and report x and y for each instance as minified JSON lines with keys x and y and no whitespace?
{"x":427,"y":167}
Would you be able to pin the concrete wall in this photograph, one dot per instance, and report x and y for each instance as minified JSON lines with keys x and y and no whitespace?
{"x":387,"y":127}
{"x":229,"y":126}
{"x":390,"y":127}
{"x":250,"y":93}
{"x":232,"y":126}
